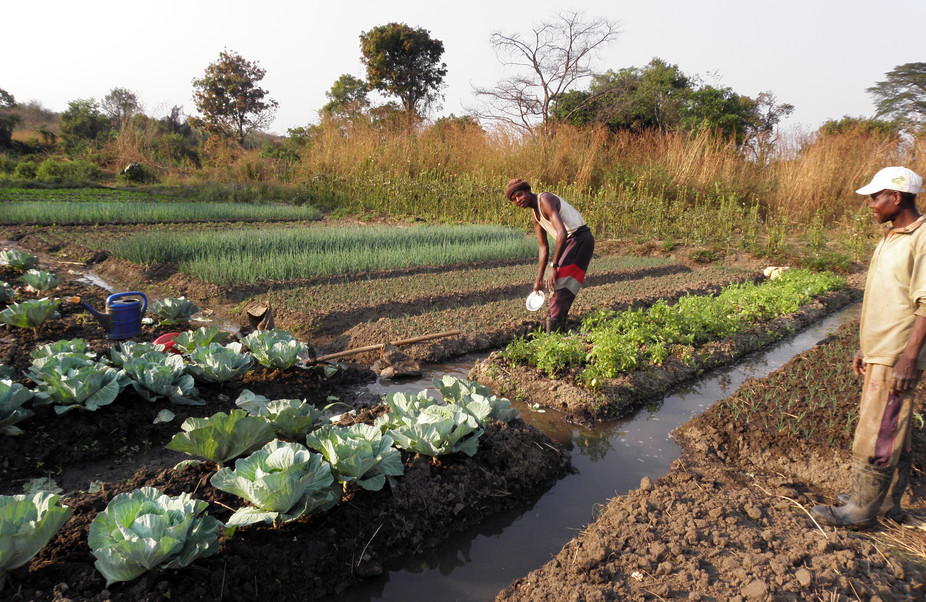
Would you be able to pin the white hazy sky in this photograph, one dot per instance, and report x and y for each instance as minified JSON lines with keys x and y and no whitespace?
{"x":818,"y":55}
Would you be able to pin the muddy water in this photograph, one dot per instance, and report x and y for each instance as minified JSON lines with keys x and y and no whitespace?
{"x":611,"y":459}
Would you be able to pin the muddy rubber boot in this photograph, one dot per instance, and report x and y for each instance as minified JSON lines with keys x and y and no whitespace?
{"x":890,"y":507}
{"x":555,"y":324}
{"x":869,"y":488}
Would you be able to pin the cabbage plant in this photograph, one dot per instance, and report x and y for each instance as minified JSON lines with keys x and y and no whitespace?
{"x":219,"y":363}
{"x":221,"y":437}
{"x":274,"y":348}
{"x":188,"y":341}
{"x":172,"y":310}
{"x":283,"y":480}
{"x":73,"y":346}
{"x":404,"y":408}
{"x":439,"y":430}
{"x":465,"y":393}
{"x":12,"y":397}
{"x":19,"y":260}
{"x":154,"y":375}
{"x":146,"y":528}
{"x":70,"y":382}
{"x":291,"y":419}
{"x":6,"y":292}
{"x":122,"y":352}
{"x":31,"y":313}
{"x":359,"y":454}
{"x":7,"y":372}
{"x":27,"y":524}
{"x":40,"y":280}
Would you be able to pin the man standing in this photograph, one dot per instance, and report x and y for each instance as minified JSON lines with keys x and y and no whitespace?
{"x":892,"y":355}
{"x":574,"y":247}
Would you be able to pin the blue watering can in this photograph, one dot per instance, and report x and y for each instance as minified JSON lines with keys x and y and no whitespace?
{"x":122,"y":319}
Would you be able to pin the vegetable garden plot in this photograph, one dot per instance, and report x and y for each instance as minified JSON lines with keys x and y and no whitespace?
{"x":621,"y":359}
{"x":512,"y":464}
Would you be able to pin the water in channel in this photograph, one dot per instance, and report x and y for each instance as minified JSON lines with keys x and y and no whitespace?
{"x":611,"y":458}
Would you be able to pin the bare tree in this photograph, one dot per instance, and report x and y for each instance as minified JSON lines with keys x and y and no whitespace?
{"x":549,"y":60}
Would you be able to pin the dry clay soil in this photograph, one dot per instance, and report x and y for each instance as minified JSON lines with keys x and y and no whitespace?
{"x":715,"y":528}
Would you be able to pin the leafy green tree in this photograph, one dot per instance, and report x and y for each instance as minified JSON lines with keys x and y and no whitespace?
{"x":548,"y":62}
{"x":120,"y":105}
{"x":632,"y":98}
{"x":721,"y":110}
{"x":83,"y":123}
{"x":8,"y":119}
{"x":760,"y":133}
{"x":228,"y":96}
{"x":348,"y":95}
{"x":406,"y":63}
{"x":902,"y":95}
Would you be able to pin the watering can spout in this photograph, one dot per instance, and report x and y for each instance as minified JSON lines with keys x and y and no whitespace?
{"x":122,"y":318}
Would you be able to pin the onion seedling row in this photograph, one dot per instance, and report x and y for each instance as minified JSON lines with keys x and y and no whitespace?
{"x":116,"y":212}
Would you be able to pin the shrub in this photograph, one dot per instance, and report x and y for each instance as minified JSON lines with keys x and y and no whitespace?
{"x":26,"y":170}
{"x":68,"y":172}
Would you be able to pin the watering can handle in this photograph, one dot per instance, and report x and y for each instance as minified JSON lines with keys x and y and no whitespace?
{"x":144,"y":299}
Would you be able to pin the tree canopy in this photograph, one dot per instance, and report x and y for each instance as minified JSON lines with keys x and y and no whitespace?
{"x":120,"y":105}
{"x":406,"y":63}
{"x":901,"y":96}
{"x":83,"y":123}
{"x":229,"y":98}
{"x":348,"y":95}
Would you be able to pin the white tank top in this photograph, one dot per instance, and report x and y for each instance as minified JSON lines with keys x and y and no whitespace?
{"x":572,"y":219}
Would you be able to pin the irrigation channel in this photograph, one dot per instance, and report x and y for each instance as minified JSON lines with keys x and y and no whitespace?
{"x":610,"y":458}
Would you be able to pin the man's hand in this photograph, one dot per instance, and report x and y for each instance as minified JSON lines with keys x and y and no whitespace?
{"x":904,"y":376}
{"x":551,"y":280}
{"x":858,"y":363}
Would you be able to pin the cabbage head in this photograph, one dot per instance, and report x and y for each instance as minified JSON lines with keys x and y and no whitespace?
{"x":283,"y":480}
{"x":122,"y":352}
{"x":221,"y":437}
{"x":12,"y":397}
{"x":31,"y":313}
{"x":40,"y":280}
{"x":146,"y":528}
{"x":155,"y":375}
{"x":219,"y":363}
{"x":439,"y":430}
{"x":359,"y":454}
{"x":474,"y":397}
{"x":19,"y":260}
{"x":187,"y":341}
{"x":172,"y":310}
{"x":71,"y":381}
{"x":275,"y":348}
{"x":27,"y":524}
{"x":291,"y":419}
{"x":404,"y":408}
{"x":73,"y":346}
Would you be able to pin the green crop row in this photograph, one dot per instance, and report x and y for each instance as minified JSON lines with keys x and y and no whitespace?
{"x":297,"y":253}
{"x":611,"y":343}
{"x":109,"y":212}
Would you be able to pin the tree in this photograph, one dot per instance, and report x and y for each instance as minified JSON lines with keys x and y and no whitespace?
{"x":902,"y":95}
{"x":632,"y":98}
{"x":232,"y":103}
{"x":877,"y":128}
{"x":721,"y":110}
{"x":760,"y":133}
{"x":404,"y":62}
{"x":83,"y":123}
{"x":8,"y":119}
{"x":348,"y":95}
{"x":550,"y":60}
{"x":120,"y":105}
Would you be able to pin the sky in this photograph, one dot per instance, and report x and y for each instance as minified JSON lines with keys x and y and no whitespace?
{"x":819,"y":56}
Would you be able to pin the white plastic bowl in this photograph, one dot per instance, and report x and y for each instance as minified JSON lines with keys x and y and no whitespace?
{"x":535,"y":300}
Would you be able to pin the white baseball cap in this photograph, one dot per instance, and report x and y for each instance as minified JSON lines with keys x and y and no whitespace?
{"x":900,"y":179}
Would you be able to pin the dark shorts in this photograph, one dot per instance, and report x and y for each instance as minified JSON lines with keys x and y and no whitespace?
{"x":577,"y":253}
